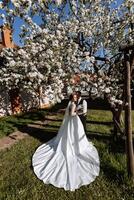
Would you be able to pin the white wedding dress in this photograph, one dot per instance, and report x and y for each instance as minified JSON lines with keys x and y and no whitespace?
{"x":68,"y":160}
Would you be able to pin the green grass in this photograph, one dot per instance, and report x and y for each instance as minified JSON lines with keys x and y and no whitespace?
{"x":100,"y":121}
{"x":10,"y":124}
{"x":18,"y":182}
{"x":102,"y":117}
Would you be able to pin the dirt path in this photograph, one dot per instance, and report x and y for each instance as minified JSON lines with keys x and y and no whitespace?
{"x":8,"y":141}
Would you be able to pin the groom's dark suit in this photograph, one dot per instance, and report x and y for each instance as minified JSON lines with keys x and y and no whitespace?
{"x":82,"y":111}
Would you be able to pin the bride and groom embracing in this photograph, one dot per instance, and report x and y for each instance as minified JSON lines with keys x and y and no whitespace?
{"x":68,"y":160}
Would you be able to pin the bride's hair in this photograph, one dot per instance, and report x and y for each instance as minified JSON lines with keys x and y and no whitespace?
{"x":72,"y":97}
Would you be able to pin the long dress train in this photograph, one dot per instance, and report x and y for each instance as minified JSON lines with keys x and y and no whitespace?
{"x":68,"y":160}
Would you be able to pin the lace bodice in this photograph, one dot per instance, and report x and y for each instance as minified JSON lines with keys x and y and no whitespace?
{"x":72,"y":109}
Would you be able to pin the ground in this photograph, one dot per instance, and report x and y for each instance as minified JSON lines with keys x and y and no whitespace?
{"x":18,"y":182}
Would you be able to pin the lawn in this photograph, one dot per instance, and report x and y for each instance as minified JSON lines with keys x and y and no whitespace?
{"x":18,"y":182}
{"x":10,"y":124}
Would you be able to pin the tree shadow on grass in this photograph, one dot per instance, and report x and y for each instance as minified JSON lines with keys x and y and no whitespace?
{"x":117,"y":146}
{"x":53,"y":120}
{"x":98,"y":136}
{"x":113,"y":173}
{"x":90,"y":135}
{"x":99,"y":122}
{"x":112,"y":161}
{"x":52,"y":126}
{"x":111,"y":154}
{"x":11,"y":123}
{"x":88,"y":121}
{"x":48,"y":131}
{"x":33,"y":115}
{"x":43,"y":135}
{"x":40,"y":133}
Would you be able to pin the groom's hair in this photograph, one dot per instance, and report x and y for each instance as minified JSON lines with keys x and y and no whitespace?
{"x":79,"y":93}
{"x":71,"y":97}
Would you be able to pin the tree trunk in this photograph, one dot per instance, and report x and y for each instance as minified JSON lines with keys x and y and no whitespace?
{"x":132,"y":64}
{"x":128,"y":120}
{"x":117,"y":122}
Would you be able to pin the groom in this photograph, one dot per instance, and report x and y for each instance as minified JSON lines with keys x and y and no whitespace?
{"x":81,"y":109}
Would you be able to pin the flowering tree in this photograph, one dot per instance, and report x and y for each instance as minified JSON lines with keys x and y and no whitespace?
{"x":85,"y":40}
{"x":43,"y":61}
{"x":92,"y":28}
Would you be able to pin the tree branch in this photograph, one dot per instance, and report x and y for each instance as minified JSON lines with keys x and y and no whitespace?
{"x":126,"y":47}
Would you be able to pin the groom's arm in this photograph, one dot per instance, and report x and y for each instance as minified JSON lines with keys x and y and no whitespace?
{"x":84,"y":107}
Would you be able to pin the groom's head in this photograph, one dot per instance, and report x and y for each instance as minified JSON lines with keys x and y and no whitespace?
{"x":78,"y":94}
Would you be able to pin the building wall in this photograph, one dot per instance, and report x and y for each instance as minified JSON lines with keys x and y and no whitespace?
{"x":28,"y":102}
{"x":11,"y":102}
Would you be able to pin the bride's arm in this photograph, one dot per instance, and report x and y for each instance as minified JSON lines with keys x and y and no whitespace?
{"x":73,"y":109}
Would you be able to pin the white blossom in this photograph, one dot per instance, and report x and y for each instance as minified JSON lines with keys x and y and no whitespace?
{"x":51,"y":55}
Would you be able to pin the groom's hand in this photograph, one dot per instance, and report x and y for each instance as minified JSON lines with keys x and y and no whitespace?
{"x":85,"y":114}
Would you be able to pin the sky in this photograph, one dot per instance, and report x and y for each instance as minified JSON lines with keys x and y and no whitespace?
{"x":19,"y":22}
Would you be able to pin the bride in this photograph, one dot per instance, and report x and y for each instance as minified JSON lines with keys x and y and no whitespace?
{"x":68,"y":160}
